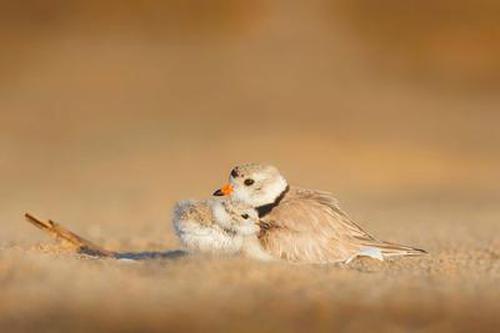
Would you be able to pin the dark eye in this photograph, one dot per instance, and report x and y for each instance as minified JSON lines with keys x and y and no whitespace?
{"x":249,"y":182}
{"x":245,"y":216}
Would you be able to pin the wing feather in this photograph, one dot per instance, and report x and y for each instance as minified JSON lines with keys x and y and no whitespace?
{"x":309,"y":226}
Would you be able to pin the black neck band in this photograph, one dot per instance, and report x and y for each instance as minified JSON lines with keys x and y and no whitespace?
{"x":266,"y":209}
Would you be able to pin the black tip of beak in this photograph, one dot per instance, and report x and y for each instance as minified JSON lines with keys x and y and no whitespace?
{"x":218,"y":193}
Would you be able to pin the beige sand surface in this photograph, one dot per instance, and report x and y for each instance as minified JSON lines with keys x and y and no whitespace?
{"x":111,"y":112}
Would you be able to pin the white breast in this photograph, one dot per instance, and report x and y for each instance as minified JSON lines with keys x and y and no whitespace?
{"x":252,"y":248}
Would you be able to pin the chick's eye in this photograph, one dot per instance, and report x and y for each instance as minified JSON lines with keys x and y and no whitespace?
{"x":245,"y":216}
{"x":249,"y":182}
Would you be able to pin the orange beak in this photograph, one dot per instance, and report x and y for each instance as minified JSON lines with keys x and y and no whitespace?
{"x":225,"y":190}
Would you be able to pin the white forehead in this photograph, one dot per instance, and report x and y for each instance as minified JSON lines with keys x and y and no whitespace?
{"x":258,"y":171}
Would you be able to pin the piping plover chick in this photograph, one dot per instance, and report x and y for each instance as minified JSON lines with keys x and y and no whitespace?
{"x":243,"y":221}
{"x":303,"y":225}
{"x":219,"y":226}
{"x":194,"y":224}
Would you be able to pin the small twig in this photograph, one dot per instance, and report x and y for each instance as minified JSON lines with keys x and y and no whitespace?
{"x":59,"y":232}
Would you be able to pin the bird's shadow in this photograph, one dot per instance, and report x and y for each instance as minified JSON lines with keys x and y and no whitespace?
{"x":136,"y":256}
{"x":85,"y":247}
{"x":148,"y":255}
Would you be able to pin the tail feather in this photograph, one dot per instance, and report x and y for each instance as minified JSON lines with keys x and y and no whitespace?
{"x":380,"y":250}
{"x":394,"y":250}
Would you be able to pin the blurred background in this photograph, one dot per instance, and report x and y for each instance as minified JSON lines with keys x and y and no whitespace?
{"x":110,"y":111}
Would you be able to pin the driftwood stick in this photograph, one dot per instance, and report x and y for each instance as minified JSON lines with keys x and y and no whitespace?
{"x":61,"y":233}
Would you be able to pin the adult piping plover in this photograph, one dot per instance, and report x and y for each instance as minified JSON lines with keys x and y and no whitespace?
{"x":302,"y":225}
{"x":219,"y":226}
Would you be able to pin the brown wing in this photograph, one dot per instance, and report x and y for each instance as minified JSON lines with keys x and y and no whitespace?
{"x":358,"y":236}
{"x":309,"y":226}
